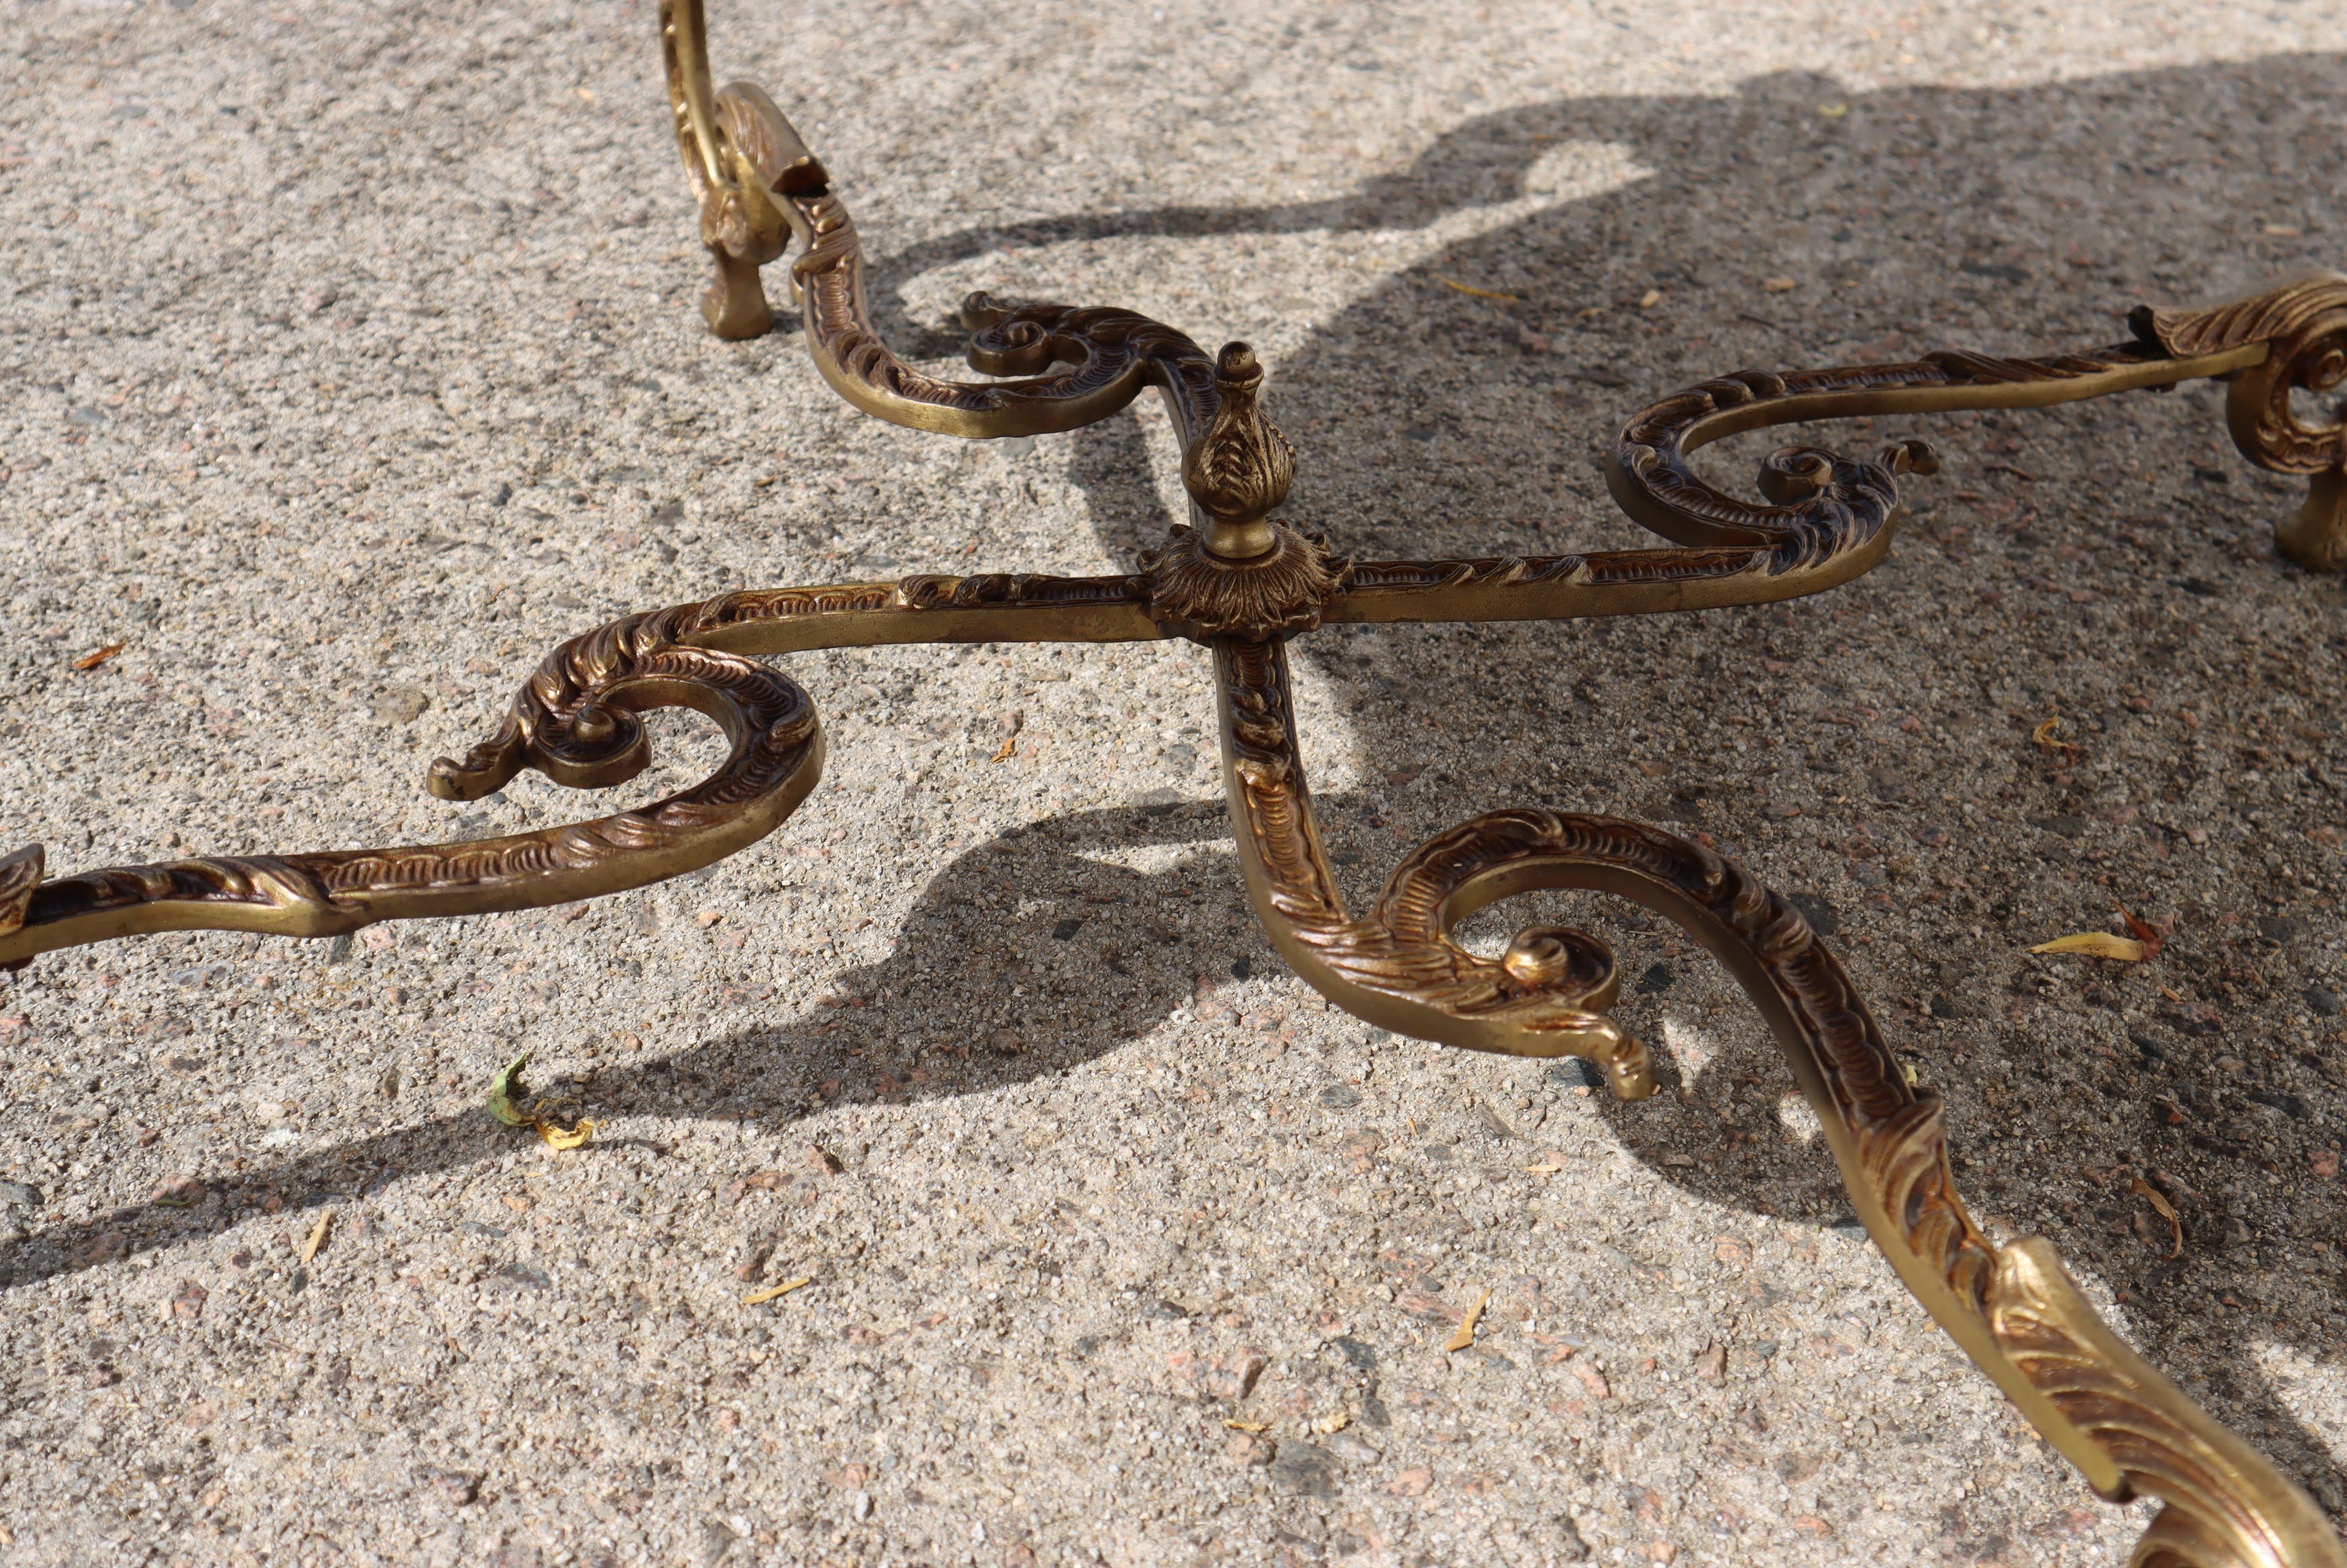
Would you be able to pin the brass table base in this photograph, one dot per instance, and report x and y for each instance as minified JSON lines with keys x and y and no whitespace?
{"x":1242,"y":582}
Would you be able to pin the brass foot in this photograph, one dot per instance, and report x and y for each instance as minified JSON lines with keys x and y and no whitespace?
{"x":734,"y":305}
{"x":2315,"y":535}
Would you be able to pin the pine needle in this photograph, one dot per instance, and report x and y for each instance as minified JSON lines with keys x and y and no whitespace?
{"x":317,"y":1236}
{"x":1479,"y":293}
{"x":772,"y":1291}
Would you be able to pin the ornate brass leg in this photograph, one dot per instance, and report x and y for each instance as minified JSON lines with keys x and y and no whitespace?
{"x":1399,"y":967}
{"x":2012,"y":1309}
{"x":577,"y":721}
{"x":2304,"y":326}
{"x":731,"y":164}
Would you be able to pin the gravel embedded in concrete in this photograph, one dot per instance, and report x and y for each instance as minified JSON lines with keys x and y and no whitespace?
{"x":354,"y":362}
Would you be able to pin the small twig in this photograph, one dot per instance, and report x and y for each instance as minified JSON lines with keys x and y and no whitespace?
{"x":772,"y":1291}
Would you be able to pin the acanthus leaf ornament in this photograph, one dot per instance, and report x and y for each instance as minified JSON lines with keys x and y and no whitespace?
{"x":1239,"y":471}
{"x":1284,"y":589}
{"x":1241,"y":581}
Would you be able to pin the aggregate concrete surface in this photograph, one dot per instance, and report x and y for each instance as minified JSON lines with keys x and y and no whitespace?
{"x":352,"y":362}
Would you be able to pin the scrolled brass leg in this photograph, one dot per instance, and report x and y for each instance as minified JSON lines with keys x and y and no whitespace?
{"x":2304,"y":325}
{"x":1399,"y":967}
{"x":2012,"y":1309}
{"x":577,"y":721}
{"x":736,"y":146}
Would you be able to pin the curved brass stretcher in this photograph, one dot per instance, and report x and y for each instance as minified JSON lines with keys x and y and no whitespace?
{"x":1240,"y":581}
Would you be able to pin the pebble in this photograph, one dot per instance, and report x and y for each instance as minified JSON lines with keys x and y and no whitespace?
{"x":402,"y":704}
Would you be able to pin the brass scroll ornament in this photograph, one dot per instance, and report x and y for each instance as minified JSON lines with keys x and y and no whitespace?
{"x":1240,"y":581}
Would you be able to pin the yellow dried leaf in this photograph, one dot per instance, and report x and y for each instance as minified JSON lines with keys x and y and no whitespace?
{"x":2043,"y":738}
{"x":559,"y":1138}
{"x":317,"y":1236}
{"x":1650,"y":299}
{"x":1332,"y":1423}
{"x":1548,"y":1167}
{"x":2098,"y":945}
{"x":1780,"y":286}
{"x":2166,"y":1211}
{"x":1009,"y":749}
{"x":505,"y":1088}
{"x":1479,"y":293}
{"x":1465,"y":1338}
{"x":772,"y":1291}
{"x":1248,"y":1425}
{"x":1834,"y":110}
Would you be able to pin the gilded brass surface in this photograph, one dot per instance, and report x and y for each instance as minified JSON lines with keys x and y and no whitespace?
{"x":1239,"y":581}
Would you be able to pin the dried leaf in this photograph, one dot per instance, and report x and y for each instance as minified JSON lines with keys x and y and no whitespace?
{"x":1479,"y":293}
{"x":2098,"y":945}
{"x":91,"y":660}
{"x":317,"y":1236}
{"x":505,"y":1090}
{"x":2152,"y":938}
{"x":2166,"y":1211}
{"x":772,"y":1291}
{"x":2066,"y":754}
{"x":1465,"y":1338}
{"x":1010,"y":724}
{"x":1780,"y":286}
{"x":1834,"y":110}
{"x":1549,"y":1166}
{"x":559,"y":1138}
{"x":1248,"y":1425}
{"x":1335,"y":1423}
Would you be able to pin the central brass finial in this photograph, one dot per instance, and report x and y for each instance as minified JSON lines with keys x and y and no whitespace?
{"x":1241,"y":471}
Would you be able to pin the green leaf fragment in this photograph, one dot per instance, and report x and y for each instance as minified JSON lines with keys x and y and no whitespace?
{"x":505,"y":1090}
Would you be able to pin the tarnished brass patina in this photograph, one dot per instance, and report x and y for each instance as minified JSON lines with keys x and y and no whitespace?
{"x":1239,"y":581}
